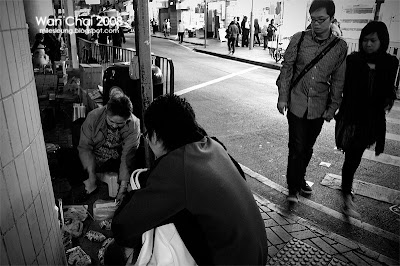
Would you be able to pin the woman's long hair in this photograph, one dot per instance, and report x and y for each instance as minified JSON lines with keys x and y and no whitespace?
{"x":381,"y":30}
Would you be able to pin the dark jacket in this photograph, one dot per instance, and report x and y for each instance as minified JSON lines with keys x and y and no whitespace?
{"x":366,"y":96}
{"x":199,"y":182}
{"x":118,"y":37}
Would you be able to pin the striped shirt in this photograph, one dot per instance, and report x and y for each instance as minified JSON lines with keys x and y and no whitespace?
{"x":321,"y":87}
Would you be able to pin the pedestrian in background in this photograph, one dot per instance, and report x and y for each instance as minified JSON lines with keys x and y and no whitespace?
{"x":335,"y":27}
{"x":168,"y":27}
{"x":271,"y":30}
{"x":311,"y":100}
{"x":231,"y":33}
{"x":368,"y":94}
{"x":245,"y":31}
{"x":264,"y":33}
{"x":240,"y":31}
{"x":257,"y":31}
{"x":165,"y":27}
{"x":118,"y":37}
{"x":181,"y":31}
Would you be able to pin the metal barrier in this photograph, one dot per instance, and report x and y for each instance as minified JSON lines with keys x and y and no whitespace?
{"x":106,"y":55}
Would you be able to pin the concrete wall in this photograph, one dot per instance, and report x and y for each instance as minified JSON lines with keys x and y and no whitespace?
{"x":28,"y":222}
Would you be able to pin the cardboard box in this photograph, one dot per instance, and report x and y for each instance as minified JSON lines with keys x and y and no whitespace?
{"x":97,"y":75}
{"x":85,"y":71}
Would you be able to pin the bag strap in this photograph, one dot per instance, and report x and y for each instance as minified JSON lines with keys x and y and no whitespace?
{"x":314,"y":62}
{"x":298,"y":49}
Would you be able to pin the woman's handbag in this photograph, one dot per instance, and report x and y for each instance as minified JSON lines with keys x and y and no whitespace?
{"x":161,"y":245}
{"x":344,"y":132}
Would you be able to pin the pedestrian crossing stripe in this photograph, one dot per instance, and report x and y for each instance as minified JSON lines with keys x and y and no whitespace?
{"x":395,"y":108}
{"x":382,"y":158}
{"x":365,"y":189}
{"x":393,"y":120}
{"x":392,"y":136}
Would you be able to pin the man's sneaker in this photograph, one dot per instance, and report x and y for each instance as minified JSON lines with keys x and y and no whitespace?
{"x":293,"y":197}
{"x":306,"y":189}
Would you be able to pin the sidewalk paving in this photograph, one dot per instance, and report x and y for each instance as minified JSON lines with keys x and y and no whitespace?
{"x":292,"y":240}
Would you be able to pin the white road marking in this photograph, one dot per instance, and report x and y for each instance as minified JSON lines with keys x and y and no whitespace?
{"x":199,"y":86}
{"x":363,"y":188}
{"x":393,"y":120}
{"x":395,"y":108}
{"x":190,"y":49}
{"x":382,"y":158}
{"x":392,"y":136}
{"x":368,"y":227}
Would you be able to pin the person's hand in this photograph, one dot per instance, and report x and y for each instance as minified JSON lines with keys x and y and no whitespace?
{"x":121,"y":193}
{"x":327,"y":116}
{"x":282,"y":107}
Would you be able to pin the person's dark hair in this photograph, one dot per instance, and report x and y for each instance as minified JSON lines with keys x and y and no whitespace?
{"x":173,"y":120}
{"x":329,"y":5}
{"x":381,"y":30}
{"x":39,"y":36}
{"x":232,"y":23}
{"x":119,"y":105}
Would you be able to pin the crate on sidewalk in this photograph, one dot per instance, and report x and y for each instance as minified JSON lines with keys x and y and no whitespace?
{"x":97,"y":75}
{"x":85,"y":71}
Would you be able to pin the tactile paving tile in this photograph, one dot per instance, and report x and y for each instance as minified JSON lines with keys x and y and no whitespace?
{"x":296,"y":252}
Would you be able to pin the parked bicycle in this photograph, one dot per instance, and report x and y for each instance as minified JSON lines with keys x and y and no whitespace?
{"x":277,"y":48}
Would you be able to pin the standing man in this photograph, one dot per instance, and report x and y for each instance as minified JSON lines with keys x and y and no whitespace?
{"x":271,"y":31}
{"x":181,"y":31}
{"x":240,"y":31}
{"x":264,"y":33}
{"x":316,"y":96}
{"x":245,"y":31}
{"x":118,"y":37}
{"x":232,"y":32}
{"x":165,"y":27}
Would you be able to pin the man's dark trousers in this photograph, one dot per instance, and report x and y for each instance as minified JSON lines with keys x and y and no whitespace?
{"x":303,"y":133}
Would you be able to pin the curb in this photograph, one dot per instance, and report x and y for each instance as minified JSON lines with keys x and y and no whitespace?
{"x":267,"y":65}
{"x":356,"y":247}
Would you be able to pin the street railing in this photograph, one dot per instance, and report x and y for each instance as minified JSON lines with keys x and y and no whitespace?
{"x":96,"y":53}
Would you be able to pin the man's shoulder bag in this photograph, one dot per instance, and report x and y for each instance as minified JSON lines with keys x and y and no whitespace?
{"x":311,"y":64}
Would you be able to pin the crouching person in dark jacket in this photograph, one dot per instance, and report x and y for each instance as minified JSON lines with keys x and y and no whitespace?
{"x":195,"y":185}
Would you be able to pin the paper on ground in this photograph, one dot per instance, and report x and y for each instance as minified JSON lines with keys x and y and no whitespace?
{"x":364,"y":188}
{"x":325,"y":164}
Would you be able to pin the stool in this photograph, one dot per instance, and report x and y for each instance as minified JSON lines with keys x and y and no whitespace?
{"x":111,"y":179}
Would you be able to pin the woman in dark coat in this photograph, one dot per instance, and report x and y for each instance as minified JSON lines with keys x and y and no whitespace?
{"x":368,"y":94}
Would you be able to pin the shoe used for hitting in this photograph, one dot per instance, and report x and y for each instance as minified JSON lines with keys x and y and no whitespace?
{"x":306,"y":189}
